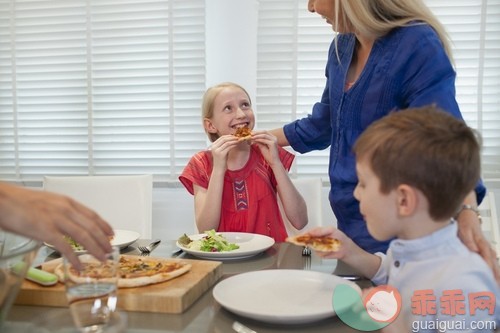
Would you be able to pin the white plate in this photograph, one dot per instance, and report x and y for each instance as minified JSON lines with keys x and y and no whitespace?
{"x":250,"y":245}
{"x":122,"y":239}
{"x":280,"y":296}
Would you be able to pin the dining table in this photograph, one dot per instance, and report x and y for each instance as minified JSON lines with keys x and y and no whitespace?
{"x":205,"y":315}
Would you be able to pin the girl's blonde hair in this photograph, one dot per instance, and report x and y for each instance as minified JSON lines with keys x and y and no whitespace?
{"x":378,"y":17}
{"x":207,"y":106}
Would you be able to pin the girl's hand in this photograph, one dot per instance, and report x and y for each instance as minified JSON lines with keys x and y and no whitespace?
{"x":220,"y":150}
{"x":268,"y":145}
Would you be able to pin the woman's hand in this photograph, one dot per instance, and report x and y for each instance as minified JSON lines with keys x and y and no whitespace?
{"x":469,"y":231}
{"x":49,"y":217}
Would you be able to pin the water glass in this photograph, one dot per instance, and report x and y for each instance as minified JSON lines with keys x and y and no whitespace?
{"x":16,"y":255}
{"x":92,"y":292}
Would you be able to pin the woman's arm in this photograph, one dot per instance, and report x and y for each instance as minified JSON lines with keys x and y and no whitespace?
{"x":279,"y":133}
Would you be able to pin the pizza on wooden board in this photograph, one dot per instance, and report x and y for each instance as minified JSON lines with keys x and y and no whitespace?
{"x":317,"y":243}
{"x":243,"y":133}
{"x":135,"y":271}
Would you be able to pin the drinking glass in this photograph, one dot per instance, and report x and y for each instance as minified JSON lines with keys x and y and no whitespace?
{"x":92,"y":293}
{"x":16,"y":255}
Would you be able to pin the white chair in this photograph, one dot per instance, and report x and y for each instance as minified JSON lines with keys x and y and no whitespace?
{"x":125,"y":202}
{"x":490,"y":224}
{"x":311,"y":191}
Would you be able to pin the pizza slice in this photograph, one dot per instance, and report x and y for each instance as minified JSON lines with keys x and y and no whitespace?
{"x":243,"y":133}
{"x":317,"y":243}
{"x":134,"y":271}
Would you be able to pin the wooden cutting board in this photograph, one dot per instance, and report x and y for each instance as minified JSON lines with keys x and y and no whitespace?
{"x":173,"y":296}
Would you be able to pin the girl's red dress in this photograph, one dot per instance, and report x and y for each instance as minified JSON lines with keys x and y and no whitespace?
{"x":249,"y":198}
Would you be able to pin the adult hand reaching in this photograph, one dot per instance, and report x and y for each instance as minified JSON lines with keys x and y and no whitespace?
{"x":469,"y":231}
{"x":49,"y":217}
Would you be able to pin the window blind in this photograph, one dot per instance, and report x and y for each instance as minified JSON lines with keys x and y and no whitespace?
{"x":113,"y":86}
{"x":292,"y":52}
{"x":100,"y":86}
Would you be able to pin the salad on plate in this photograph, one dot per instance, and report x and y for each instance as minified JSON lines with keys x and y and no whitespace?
{"x":211,"y":242}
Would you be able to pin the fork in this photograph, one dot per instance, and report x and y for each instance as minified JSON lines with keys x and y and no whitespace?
{"x":146,"y":250}
{"x":306,"y":251}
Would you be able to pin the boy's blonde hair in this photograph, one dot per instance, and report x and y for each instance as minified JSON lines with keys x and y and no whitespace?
{"x":207,"y":106}
{"x":379,"y":17}
{"x":425,"y":148}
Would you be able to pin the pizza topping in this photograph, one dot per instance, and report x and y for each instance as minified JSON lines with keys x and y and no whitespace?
{"x":143,"y":267}
{"x":134,"y":271}
{"x":243,"y":133}
{"x":309,"y":240}
{"x":318,"y":243}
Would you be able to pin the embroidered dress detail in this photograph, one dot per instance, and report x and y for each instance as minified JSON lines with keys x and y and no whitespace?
{"x":240,"y":195}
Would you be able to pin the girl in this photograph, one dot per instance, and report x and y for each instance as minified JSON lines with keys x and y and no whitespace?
{"x":235,"y":181}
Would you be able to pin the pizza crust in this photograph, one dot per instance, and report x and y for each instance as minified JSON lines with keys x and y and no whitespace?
{"x":173,"y":267}
{"x":321,"y":244}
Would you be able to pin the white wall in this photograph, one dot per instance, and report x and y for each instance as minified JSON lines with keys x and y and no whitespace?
{"x":231,"y":50}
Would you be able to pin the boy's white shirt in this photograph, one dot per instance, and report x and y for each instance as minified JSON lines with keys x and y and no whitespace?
{"x":439,"y":262}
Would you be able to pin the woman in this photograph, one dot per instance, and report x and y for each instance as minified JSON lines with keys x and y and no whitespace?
{"x":387,"y":55}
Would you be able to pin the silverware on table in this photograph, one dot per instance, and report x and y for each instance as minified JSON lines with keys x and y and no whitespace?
{"x":306,"y":251}
{"x":146,"y":250}
{"x":350,"y":277}
{"x":240,"y":328}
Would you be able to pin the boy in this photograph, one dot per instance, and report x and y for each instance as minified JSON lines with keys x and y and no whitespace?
{"x":415,"y":168}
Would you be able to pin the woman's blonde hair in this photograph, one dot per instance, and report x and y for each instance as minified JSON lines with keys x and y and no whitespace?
{"x":207,"y":105}
{"x":378,"y":17}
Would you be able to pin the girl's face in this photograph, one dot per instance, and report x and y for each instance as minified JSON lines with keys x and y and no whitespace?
{"x":232,"y":109}
{"x":379,"y":210}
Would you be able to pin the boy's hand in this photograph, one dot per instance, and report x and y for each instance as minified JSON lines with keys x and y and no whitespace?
{"x":332,"y":232}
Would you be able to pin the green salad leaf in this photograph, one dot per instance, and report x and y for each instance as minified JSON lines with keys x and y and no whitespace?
{"x":212,"y":242}
{"x":184,"y":240}
{"x":74,"y":244}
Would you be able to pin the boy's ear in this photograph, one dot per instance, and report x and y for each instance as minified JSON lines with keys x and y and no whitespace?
{"x":407,"y":200}
{"x":209,"y":126}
